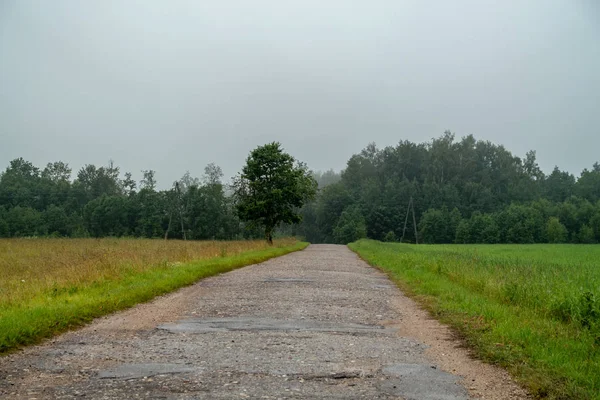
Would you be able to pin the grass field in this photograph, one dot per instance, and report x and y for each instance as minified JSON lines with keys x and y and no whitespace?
{"x":50,"y":285}
{"x":534,"y":309}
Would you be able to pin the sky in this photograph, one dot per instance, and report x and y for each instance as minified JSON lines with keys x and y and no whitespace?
{"x":175,"y":85}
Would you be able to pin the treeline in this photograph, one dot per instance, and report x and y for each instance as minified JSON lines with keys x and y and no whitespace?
{"x":459,"y":191}
{"x":99,"y":202}
{"x":465,"y":191}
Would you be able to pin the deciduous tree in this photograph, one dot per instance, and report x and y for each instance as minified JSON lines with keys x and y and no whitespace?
{"x":272,"y":187}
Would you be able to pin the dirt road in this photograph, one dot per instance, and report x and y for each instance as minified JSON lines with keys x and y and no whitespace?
{"x":313,"y":324}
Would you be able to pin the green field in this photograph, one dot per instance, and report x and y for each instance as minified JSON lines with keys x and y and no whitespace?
{"x":534,"y":309}
{"x":48,"y":286}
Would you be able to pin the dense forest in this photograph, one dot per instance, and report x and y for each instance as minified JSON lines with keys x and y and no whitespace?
{"x":464,"y":191}
{"x":98,"y":203}
{"x":445,"y":190}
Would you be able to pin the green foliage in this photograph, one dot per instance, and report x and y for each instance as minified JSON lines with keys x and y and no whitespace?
{"x":588,"y":184}
{"x":439,"y":225}
{"x":24,"y":221}
{"x":350,"y":226}
{"x":106,"y":216}
{"x":480,"y":228}
{"x":533,"y":309}
{"x":390,"y":237}
{"x":513,"y":197}
{"x":484,"y":229}
{"x":555,"y":231}
{"x":56,"y":221}
{"x":334,"y":199}
{"x":586,"y":235}
{"x":521,"y":224}
{"x":559,"y":185}
{"x":97,"y":182}
{"x":98,"y":203}
{"x":494,"y":197}
{"x":4,"y":229}
{"x":20,"y":185}
{"x":463,"y":232}
{"x":148,"y":213}
{"x":432,"y":227}
{"x":272,"y":187}
{"x":595,"y":222}
{"x":57,"y":172}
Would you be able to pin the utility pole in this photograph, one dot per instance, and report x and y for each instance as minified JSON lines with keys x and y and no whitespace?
{"x":406,"y":220}
{"x":411,"y":206}
{"x":414,"y":222}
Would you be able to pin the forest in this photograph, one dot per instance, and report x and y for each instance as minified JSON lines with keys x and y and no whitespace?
{"x":99,"y":203}
{"x":442,"y":191}
{"x":463,"y":191}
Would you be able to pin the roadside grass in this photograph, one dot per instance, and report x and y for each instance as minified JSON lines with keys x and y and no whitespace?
{"x":533,"y":309}
{"x":48,"y":286}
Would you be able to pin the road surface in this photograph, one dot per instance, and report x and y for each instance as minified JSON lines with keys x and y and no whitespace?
{"x":319,"y":323}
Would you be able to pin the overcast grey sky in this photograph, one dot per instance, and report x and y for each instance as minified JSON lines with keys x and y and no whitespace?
{"x":174,"y":85}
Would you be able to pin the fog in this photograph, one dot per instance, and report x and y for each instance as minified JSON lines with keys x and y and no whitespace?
{"x":175,"y":85}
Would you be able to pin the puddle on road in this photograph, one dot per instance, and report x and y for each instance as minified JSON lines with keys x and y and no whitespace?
{"x":204,"y":325}
{"x":422,"y":382}
{"x":136,"y":371}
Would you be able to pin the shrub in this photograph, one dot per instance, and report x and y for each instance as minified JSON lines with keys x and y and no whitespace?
{"x":586,"y":235}
{"x":555,"y":231}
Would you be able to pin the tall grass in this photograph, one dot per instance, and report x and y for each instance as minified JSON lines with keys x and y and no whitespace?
{"x":50,"y":285}
{"x":534,"y":309}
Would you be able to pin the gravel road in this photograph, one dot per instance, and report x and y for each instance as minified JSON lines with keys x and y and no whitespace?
{"x":319,"y":323}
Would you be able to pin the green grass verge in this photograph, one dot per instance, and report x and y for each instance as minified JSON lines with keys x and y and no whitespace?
{"x":534,"y":310}
{"x":54,"y":313}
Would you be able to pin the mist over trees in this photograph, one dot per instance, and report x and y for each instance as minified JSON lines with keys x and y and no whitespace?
{"x":463,"y":191}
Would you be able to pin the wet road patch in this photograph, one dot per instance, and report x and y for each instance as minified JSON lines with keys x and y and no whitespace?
{"x":136,"y":371}
{"x":422,"y":382}
{"x":288,"y":280}
{"x":384,"y":287}
{"x":205,"y":325}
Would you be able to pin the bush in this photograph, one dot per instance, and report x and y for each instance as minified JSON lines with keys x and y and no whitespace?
{"x":555,"y":231}
{"x":432,"y":226}
{"x":483,"y":229}
{"x":439,"y":226}
{"x":463,"y":232}
{"x":56,"y":221}
{"x":24,"y":221}
{"x":390,"y":237}
{"x":586,"y":235}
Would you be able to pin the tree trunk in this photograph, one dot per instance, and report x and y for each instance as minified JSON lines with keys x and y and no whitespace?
{"x":269,"y":236}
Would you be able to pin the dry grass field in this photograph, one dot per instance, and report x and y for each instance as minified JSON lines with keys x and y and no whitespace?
{"x":30,"y":267}
{"x":49,"y":285}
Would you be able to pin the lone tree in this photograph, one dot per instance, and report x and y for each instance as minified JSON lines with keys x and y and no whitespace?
{"x":271,"y":188}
